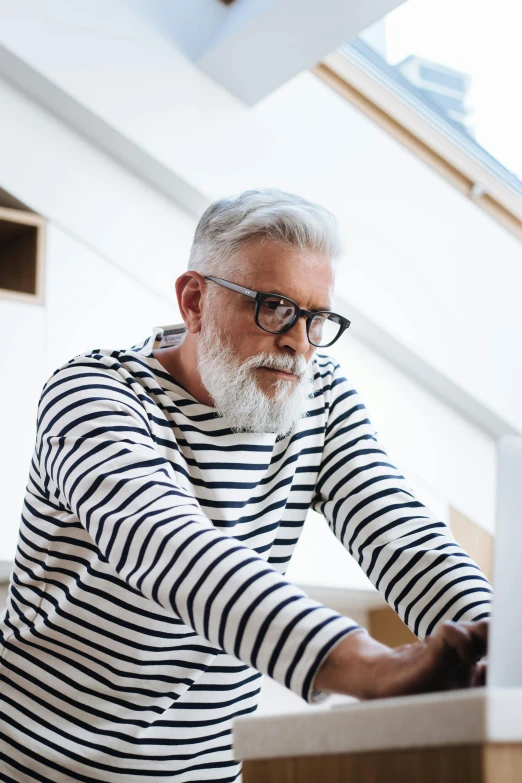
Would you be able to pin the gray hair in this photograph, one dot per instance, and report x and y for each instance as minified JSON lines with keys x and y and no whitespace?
{"x":269,"y":213}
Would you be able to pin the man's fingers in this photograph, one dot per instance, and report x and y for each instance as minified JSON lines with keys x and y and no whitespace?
{"x":480,"y":634}
{"x":469,"y":644}
{"x":479,"y":675}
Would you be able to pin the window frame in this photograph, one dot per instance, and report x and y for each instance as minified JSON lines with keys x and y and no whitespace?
{"x":485,"y":182}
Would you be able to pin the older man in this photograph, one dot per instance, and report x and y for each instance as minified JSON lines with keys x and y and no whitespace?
{"x":168,"y":489}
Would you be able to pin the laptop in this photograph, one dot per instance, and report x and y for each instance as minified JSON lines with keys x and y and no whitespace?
{"x":505,"y":641}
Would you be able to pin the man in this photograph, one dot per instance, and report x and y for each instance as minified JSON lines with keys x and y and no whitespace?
{"x":167,"y":491}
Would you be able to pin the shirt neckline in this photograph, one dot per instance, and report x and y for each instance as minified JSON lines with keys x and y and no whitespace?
{"x":165,"y":337}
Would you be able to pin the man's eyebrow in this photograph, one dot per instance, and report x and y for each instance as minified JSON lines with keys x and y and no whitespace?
{"x":285,"y":296}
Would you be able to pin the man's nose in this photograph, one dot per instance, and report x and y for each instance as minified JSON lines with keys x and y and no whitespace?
{"x":295,"y":338}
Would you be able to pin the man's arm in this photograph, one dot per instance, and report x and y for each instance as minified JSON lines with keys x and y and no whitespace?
{"x":409,"y":555}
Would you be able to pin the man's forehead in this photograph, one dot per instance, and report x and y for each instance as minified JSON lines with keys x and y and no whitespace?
{"x":301,"y":274}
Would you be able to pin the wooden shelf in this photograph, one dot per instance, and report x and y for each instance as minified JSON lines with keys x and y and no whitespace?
{"x":21,"y":255}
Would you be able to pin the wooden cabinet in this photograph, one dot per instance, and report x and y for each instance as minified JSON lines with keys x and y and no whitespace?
{"x":469,"y":763}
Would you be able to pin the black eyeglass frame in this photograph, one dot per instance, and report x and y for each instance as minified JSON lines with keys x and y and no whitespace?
{"x":260,"y":297}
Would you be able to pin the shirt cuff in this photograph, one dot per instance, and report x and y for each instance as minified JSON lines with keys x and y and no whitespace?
{"x":339,"y":630}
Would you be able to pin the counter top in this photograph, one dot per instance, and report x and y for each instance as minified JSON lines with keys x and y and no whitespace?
{"x":463,"y":717}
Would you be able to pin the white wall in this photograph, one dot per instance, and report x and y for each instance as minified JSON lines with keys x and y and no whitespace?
{"x":113,"y":250}
{"x":446,"y":458}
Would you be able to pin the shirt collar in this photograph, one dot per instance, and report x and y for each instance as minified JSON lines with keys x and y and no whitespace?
{"x":163,"y":337}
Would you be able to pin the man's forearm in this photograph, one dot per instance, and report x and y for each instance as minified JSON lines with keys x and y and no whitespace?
{"x":349,"y":669}
{"x":362,"y":667}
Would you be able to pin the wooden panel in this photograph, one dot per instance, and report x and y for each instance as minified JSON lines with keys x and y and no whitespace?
{"x":502,"y":763}
{"x":386,"y":626}
{"x":476,"y":541}
{"x":424,"y":765}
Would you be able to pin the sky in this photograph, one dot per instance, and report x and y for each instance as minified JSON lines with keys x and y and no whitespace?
{"x":480,"y":38}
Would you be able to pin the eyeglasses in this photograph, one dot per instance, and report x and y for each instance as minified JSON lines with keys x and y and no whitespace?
{"x":277,"y":314}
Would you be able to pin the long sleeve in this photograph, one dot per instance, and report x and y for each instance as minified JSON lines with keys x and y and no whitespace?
{"x":99,"y":460}
{"x":410,"y":556}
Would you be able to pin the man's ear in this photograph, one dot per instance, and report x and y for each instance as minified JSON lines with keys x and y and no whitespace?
{"x":189,"y":290}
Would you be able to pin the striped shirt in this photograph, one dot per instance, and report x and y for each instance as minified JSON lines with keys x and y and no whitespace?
{"x":148,"y":593}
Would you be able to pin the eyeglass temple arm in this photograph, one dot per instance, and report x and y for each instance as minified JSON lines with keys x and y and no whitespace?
{"x":239,"y":288}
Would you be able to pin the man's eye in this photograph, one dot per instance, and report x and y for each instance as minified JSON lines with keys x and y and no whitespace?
{"x":272,"y":304}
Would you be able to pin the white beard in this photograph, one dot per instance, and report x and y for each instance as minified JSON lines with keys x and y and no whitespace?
{"x":237,"y":397}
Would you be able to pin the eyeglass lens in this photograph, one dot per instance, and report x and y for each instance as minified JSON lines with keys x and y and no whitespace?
{"x":275,"y":313}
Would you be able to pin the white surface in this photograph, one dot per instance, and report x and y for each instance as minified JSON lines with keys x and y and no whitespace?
{"x":505,"y":657}
{"x":114,"y":247}
{"x":190,"y":24}
{"x":446,"y":459}
{"x":6,"y":567}
{"x":451,"y":718}
{"x":275,"y":699}
{"x":295,"y":33}
{"x":35,"y":85}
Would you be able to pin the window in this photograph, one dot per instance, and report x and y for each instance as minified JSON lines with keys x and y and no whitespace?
{"x":442,"y":79}
{"x":463,"y":61}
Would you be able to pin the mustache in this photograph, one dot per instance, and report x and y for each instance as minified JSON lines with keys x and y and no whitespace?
{"x":296,"y":365}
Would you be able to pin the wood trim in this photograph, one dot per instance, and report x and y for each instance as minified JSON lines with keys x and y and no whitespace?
{"x":17,"y":296}
{"x":20,"y":216}
{"x":440,"y":153}
{"x":40,"y":256}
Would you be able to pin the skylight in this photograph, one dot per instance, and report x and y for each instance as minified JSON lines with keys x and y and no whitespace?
{"x":461,"y":61}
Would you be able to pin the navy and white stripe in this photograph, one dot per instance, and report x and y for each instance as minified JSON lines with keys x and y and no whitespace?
{"x":148,"y":591}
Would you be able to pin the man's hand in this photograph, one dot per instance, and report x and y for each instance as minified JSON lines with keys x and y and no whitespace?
{"x":362,"y":667}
